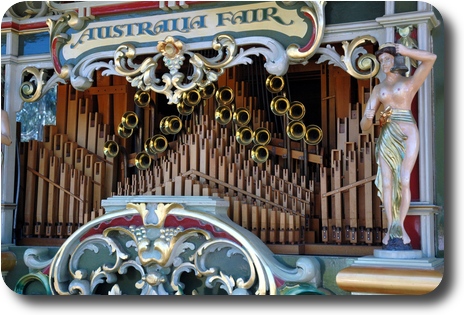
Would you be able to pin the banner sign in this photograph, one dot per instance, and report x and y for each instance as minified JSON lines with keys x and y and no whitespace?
{"x":286,"y":23}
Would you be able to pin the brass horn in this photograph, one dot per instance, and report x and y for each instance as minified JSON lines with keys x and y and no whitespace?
{"x":259,"y":153}
{"x":110,"y":149}
{"x":172,"y":125}
{"x":274,"y":83}
{"x":207,"y":91}
{"x":142,"y":161}
{"x":241,"y":116}
{"x":191,"y":98}
{"x":244,"y":135}
{"x":261,"y":136}
{"x":158,"y":143}
{"x":129,"y":120}
{"x":124,"y":132}
{"x":184,"y":109}
{"x":142,"y":98}
{"x":223,"y":115}
{"x":225,"y":95}
{"x":296,"y":111}
{"x":162,"y":125}
{"x":280,"y":105}
{"x":313,"y":135}
{"x":296,"y":130}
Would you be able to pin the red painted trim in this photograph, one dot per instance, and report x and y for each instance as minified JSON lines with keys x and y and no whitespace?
{"x":313,"y":36}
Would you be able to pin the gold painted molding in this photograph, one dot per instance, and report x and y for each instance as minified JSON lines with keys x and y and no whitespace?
{"x":375,"y":280}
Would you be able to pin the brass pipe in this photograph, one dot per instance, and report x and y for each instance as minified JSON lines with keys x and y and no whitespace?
{"x":244,"y":135}
{"x":124,"y":132}
{"x":111,"y":148}
{"x":280,"y":105}
{"x":129,"y":120}
{"x":241,"y":116}
{"x":172,"y":125}
{"x":296,"y":111}
{"x":223,"y":115}
{"x":191,"y":97}
{"x":184,"y":109}
{"x":313,"y":135}
{"x":158,"y":143}
{"x":207,"y":91}
{"x":274,"y":83}
{"x":142,"y":98}
{"x":261,"y":136}
{"x":259,"y":154}
{"x":142,"y":160}
{"x":296,"y":130}
{"x":225,"y":95}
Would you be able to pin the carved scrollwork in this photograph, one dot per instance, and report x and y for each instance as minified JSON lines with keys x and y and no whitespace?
{"x":165,"y":249}
{"x":356,"y":61}
{"x":172,"y":52}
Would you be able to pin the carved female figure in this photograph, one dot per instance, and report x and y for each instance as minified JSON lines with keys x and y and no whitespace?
{"x":397,"y":147}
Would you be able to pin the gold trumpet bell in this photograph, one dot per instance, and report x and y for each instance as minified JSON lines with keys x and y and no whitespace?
{"x":172,"y":125}
{"x":129,"y":120}
{"x":244,"y":135}
{"x":110,"y":149}
{"x":259,"y":154}
{"x":296,"y":111}
{"x":124,"y":132}
{"x":184,"y":110}
{"x":225,"y":95}
{"x":280,"y":105}
{"x":313,"y":135}
{"x":191,"y":98}
{"x":158,"y":143}
{"x":148,"y":147}
{"x":261,"y":136}
{"x":142,"y":161}
{"x":223,"y":115}
{"x":207,"y":91}
{"x":142,"y":98}
{"x":296,"y":130}
{"x":241,"y":116}
{"x":274,"y":83}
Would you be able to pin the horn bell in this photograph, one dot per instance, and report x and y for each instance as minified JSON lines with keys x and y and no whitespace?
{"x":129,"y":120}
{"x":296,"y":111}
{"x":241,"y":116}
{"x":274,"y":83}
{"x":223,"y":115}
{"x":124,"y":132}
{"x":172,"y":125}
{"x":313,"y":135}
{"x":244,"y":135}
{"x":207,"y":91}
{"x":184,"y":109}
{"x":158,"y":143}
{"x":259,"y":154}
{"x":142,"y":98}
{"x":261,"y":136}
{"x":142,"y":161}
{"x":296,"y":130}
{"x":225,"y":95}
{"x":280,"y":105}
{"x":191,"y":98}
{"x":110,"y":149}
